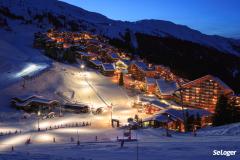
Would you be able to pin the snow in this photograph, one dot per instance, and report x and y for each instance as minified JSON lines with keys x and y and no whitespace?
{"x":152,"y":142}
{"x":116,"y":29}
{"x":152,"y":145}
{"x":108,"y":67}
{"x":17,"y":57}
{"x":96,"y":62}
{"x":89,"y":87}
{"x":166,"y":87}
{"x":141,"y":65}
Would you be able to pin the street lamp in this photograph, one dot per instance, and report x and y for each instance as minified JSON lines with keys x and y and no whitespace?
{"x":60,"y":111}
{"x":82,"y":66}
{"x":111,"y":107}
{"x":39,"y":114}
{"x":167,"y":132}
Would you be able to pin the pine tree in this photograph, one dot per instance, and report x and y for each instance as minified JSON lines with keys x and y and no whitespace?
{"x":198,"y":120}
{"x":121,"y":80}
{"x":69,"y":56}
{"x":234,"y":113}
{"x":221,"y":115}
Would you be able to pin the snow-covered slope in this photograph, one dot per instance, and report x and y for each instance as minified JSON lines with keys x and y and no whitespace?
{"x":29,"y":13}
{"x":16,"y":52}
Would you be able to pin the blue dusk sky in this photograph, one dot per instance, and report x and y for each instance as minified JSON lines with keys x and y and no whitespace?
{"x":221,"y":17}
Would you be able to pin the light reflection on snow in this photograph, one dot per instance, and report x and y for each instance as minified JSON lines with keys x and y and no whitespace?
{"x":44,"y":137}
{"x":13,"y":141}
{"x":30,"y":69}
{"x":74,"y":130}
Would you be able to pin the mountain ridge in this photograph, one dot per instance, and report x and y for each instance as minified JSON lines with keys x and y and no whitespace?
{"x":100,"y":24}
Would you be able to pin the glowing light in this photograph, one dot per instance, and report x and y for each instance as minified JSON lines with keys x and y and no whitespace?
{"x":30,"y":69}
{"x":13,"y":141}
{"x":82,"y":66}
{"x":44,"y":137}
{"x":7,"y":129}
{"x":74,"y":130}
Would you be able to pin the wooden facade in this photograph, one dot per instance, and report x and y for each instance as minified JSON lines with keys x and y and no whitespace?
{"x":203,"y":92}
{"x":173,"y":119}
{"x":139,"y":70}
{"x":108,"y":69}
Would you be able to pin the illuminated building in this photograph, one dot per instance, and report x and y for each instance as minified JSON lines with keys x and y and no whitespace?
{"x":203,"y":92}
{"x":108,"y":69}
{"x":235,"y":100}
{"x":150,"y":85}
{"x":139,"y":70}
{"x":173,"y":119}
{"x":165,"y":89}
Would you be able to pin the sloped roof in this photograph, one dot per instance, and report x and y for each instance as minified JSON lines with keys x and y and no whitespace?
{"x":125,"y":61}
{"x":83,"y":53}
{"x":96,"y":62}
{"x":177,"y":114}
{"x":157,"y":117}
{"x":166,"y":87}
{"x":113,"y":55}
{"x":150,"y":80}
{"x":159,"y":104}
{"x":37,"y":100}
{"x":108,"y":67}
{"x":141,"y":65}
{"x":209,"y":77}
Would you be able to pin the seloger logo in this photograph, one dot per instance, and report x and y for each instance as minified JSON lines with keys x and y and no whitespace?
{"x":224,"y":153}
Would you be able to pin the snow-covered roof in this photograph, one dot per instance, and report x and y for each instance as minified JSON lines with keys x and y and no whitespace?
{"x":157,"y":117}
{"x":159,"y":104}
{"x":209,"y":77}
{"x":108,"y":67}
{"x":166,"y":87}
{"x":37,"y":100}
{"x":141,"y":65}
{"x":177,"y":114}
{"x":84,"y":53}
{"x":25,"y":98}
{"x":150,"y":80}
{"x":96,"y":62}
{"x":114,"y":55}
{"x":125,"y":61}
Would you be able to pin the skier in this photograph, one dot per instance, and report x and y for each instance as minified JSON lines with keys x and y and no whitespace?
{"x":122,"y":143}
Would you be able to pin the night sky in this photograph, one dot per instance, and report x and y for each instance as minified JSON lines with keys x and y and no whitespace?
{"x":220,"y":17}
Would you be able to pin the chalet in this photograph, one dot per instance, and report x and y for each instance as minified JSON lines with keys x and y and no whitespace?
{"x":235,"y":100}
{"x":112,"y":57}
{"x":122,"y":64}
{"x":34,"y":104}
{"x":92,"y":48}
{"x":50,"y":43}
{"x":59,"y":44}
{"x":108,"y":69}
{"x":97,"y":64}
{"x":173,"y":119}
{"x":154,"y":106}
{"x":150,"y":85}
{"x":165,"y":72}
{"x":85,"y":55}
{"x":165,"y":89}
{"x":140,"y":70}
{"x":203,"y":92}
